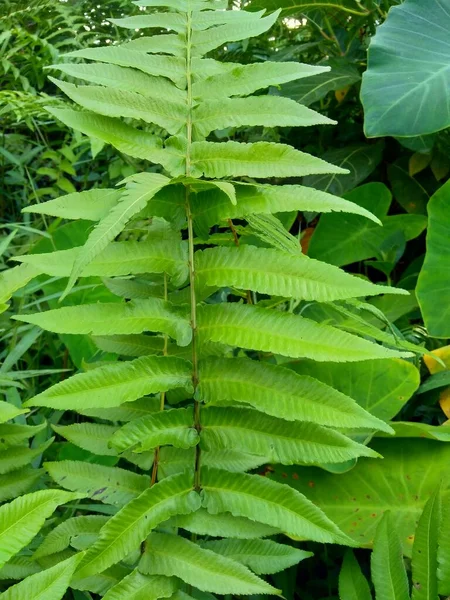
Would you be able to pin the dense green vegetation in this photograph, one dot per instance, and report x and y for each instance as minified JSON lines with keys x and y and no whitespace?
{"x":224,"y":300}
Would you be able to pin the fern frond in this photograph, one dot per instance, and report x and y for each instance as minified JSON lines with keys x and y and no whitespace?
{"x":208,"y":571}
{"x":173,"y":68}
{"x":92,"y":205}
{"x":166,"y":44}
{"x":225,"y":525}
{"x":172,"y":427}
{"x":246,"y":79}
{"x":209,"y":209}
{"x":19,"y":456}
{"x":280,"y":392}
{"x":115,"y":318}
{"x":112,"y":385}
{"x":21,"y":519}
{"x":352,"y":583}
{"x":14,"y":279}
{"x":111,"y":485}
{"x":270,"y":271}
{"x":137,"y":586}
{"x":9,"y":411}
{"x":425,"y":548}
{"x":169,"y":114}
{"x":94,"y":437}
{"x":260,"y":159}
{"x":132,"y":524}
{"x":257,"y":328}
{"x":127,"y":139}
{"x":128,"y":80}
{"x":209,"y":39}
{"x":268,"y":502}
{"x":164,"y":20}
{"x":388,"y":570}
{"x":50,"y":584}
{"x":59,"y":538}
{"x":18,"y":482}
{"x":119,"y":259}
{"x":285,"y":442}
{"x":267,"y":111}
{"x":12,"y":434}
{"x":131,"y":202}
{"x":263,"y":557}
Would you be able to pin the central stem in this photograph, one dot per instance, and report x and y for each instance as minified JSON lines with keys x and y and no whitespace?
{"x":189,"y":218}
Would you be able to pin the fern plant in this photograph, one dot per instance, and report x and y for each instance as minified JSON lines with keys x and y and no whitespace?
{"x":201,"y":320}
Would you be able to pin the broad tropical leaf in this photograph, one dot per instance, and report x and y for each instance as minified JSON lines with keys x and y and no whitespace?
{"x":284,"y":333}
{"x":112,"y":385}
{"x":261,"y":556}
{"x":12,"y":434}
{"x":131,"y":525}
{"x":106,"y":484}
{"x":434,"y":281}
{"x":402,"y":94}
{"x":268,"y":502}
{"x":21,"y":519}
{"x":401,"y":483}
{"x":203,"y":568}
{"x":388,"y":570}
{"x":382,"y":388}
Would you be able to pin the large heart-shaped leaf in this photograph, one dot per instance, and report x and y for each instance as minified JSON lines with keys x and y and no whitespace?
{"x":343,"y":239}
{"x":360,"y":160}
{"x":402,"y":482}
{"x":293,"y":7}
{"x":433,"y":287}
{"x":381,"y":387}
{"x":406,"y":85}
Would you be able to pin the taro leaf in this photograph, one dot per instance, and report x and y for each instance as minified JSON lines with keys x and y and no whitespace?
{"x":359,"y":160}
{"x":404,"y":91}
{"x":433,"y":287}
{"x":407,"y":191}
{"x":341,"y":239}
{"x":311,"y":89}
{"x":421,"y":430}
{"x":402,"y":482}
{"x":382,"y":387}
{"x":294,"y":7}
